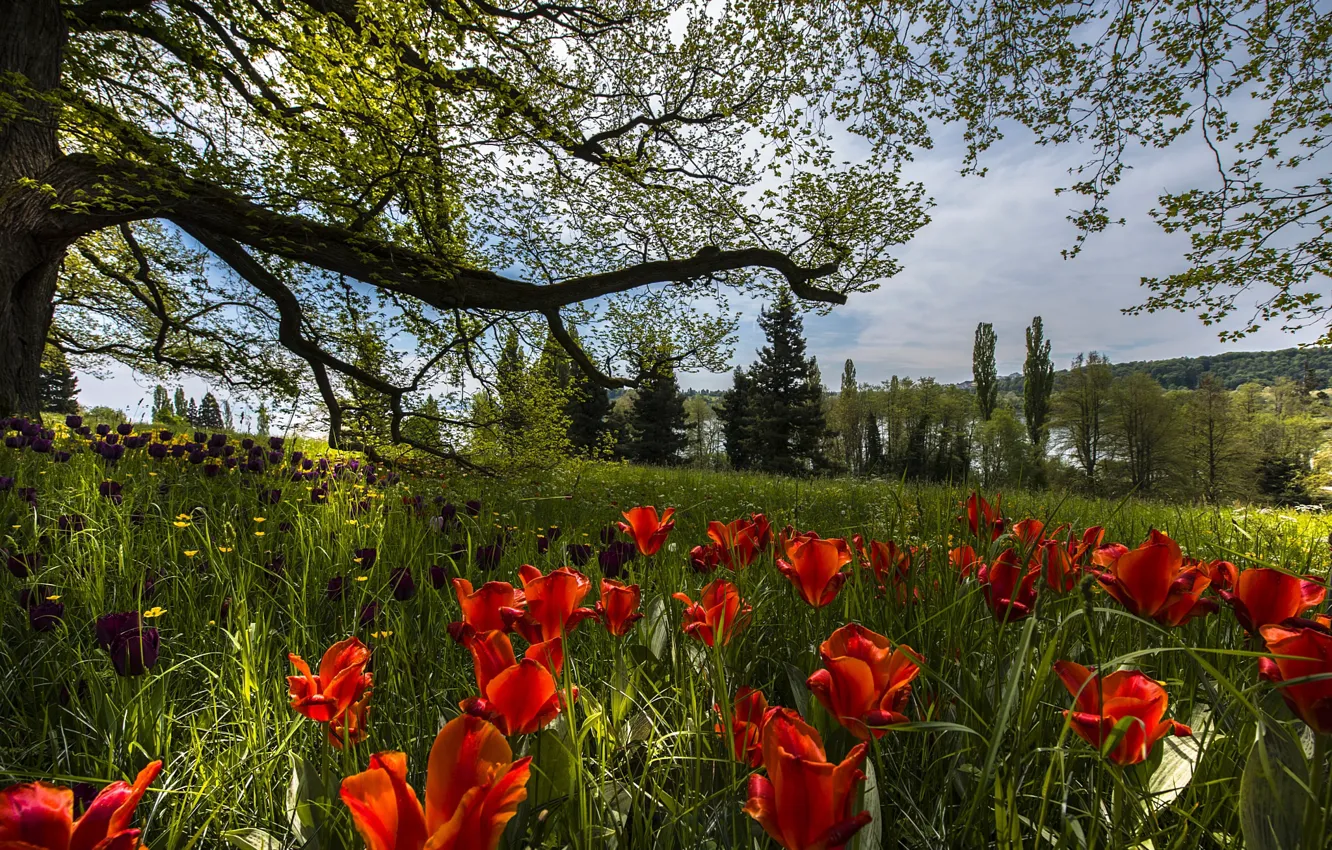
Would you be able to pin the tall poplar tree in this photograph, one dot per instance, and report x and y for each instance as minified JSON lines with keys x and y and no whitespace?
{"x":1037,"y":385}
{"x":984,"y":373}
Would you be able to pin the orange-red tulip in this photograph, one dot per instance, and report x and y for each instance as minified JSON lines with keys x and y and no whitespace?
{"x":520,"y":699}
{"x":40,"y":816}
{"x":1009,"y":588}
{"x":618,"y":606}
{"x":1058,"y":565}
{"x":789,"y":535}
{"x":1153,"y":581}
{"x":815,"y":568}
{"x":762,"y":530}
{"x":889,"y":562}
{"x":982,"y":519}
{"x":1104,"y":556}
{"x":736,"y":541}
{"x":1303,"y":650}
{"x":342,"y":678}
{"x":719,"y":613}
{"x":1102,"y":702}
{"x":1223,"y":574}
{"x":1081,"y":550}
{"x":1029,"y":532}
{"x":964,"y":560}
{"x":648,"y":531}
{"x":864,"y":683}
{"x":483,"y":609}
{"x":552,"y":603}
{"x":805,"y":802}
{"x":705,"y":559}
{"x":473,"y":789}
{"x":350,"y":727}
{"x":747,"y":713}
{"x":1265,"y":597}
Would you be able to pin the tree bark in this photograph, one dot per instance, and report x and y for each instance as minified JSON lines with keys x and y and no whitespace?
{"x":32,"y":41}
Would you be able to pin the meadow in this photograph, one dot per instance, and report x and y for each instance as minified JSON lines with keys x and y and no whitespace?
{"x":270,"y":555}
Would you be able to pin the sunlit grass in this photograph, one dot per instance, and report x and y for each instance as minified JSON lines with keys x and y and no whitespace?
{"x":637,"y":763}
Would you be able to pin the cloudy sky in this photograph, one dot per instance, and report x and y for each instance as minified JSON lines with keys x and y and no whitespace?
{"x":990,"y":254}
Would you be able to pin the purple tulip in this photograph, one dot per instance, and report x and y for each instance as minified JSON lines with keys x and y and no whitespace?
{"x":402,"y":583}
{"x":337,"y":586}
{"x":212,"y":470}
{"x":247,"y":444}
{"x":109,"y":626}
{"x":369,"y":613}
{"x":270,"y":497}
{"x":166,"y":436}
{"x":103,"y":429}
{"x":579,"y":553}
{"x":134,"y":653}
{"x":6,"y":483}
{"x":488,"y":557}
{"x":73,"y":421}
{"x":72,"y":522}
{"x":124,"y":429}
{"x":22,"y":565}
{"x":365,"y":557}
{"x":109,"y":489}
{"x":60,"y":457}
{"x":41,"y":446}
{"x":319,"y":496}
{"x":439,"y":577}
{"x":473,"y":507}
{"x":46,"y":615}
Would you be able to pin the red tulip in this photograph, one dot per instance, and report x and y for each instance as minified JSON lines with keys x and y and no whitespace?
{"x":964,"y":560}
{"x":789,"y":535}
{"x":40,"y":816}
{"x":473,"y":789}
{"x":705,"y":559}
{"x":762,"y":530}
{"x":648,"y":531}
{"x":552,"y":603}
{"x":1302,"y":650}
{"x":517,"y":696}
{"x":1029,"y":532}
{"x":1104,"y":556}
{"x":719,"y":612}
{"x":888,"y":562}
{"x":618,"y":606}
{"x":982,"y":519}
{"x":737,"y":542}
{"x":805,"y":802}
{"x":1058,"y":565}
{"x":483,"y":608}
{"x":1008,"y":587}
{"x":1265,"y":597}
{"x":1153,"y":582}
{"x":1223,"y":574}
{"x":815,"y":568}
{"x":747,"y":715}
{"x":1102,"y":702}
{"x":1081,"y":550}
{"x":864,"y":683}
{"x":341,"y":680}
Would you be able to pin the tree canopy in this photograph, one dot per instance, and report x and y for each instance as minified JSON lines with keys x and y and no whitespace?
{"x":339,"y":199}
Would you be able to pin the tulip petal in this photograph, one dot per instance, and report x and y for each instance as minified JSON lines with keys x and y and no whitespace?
{"x":467,"y":753}
{"x":373,"y":802}
{"x":36,"y":812}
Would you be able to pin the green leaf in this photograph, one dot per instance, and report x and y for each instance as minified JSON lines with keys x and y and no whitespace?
{"x":303,"y":791}
{"x":553,"y":764}
{"x":252,"y":839}
{"x":871,"y":836}
{"x":1179,"y":760}
{"x":1271,"y":800}
{"x":799,"y":690}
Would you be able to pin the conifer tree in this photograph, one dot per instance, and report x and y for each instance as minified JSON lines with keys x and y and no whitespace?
{"x":874,"y":460}
{"x":737,"y":416}
{"x":788,"y":397}
{"x":210,"y":414}
{"x":59,"y":389}
{"x":192,"y":413}
{"x":657,"y":420}
{"x":180,"y":404}
{"x":1037,"y":385}
{"x":983,"y":370}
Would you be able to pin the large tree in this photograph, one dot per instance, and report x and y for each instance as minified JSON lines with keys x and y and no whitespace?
{"x":1037,"y":385}
{"x":984,"y":374}
{"x":788,"y":395}
{"x":241,"y":189}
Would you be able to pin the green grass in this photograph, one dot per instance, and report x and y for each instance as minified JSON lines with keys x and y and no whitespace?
{"x":636,"y":763}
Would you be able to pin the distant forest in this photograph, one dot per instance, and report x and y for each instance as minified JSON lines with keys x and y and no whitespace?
{"x":1311,"y":366}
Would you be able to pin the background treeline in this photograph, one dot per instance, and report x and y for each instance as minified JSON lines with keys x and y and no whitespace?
{"x":1093,"y":426}
{"x":1232,"y":369}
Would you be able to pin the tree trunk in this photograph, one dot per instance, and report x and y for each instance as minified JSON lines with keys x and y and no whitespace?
{"x":32,"y":41}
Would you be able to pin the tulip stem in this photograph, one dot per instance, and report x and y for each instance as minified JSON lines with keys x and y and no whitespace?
{"x":1313,"y":809}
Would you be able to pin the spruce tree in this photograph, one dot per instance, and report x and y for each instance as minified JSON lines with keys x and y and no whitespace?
{"x":983,"y":370}
{"x":192,"y":413}
{"x":657,"y":420}
{"x":788,"y":398}
{"x":59,"y":388}
{"x":1037,"y":385}
{"x":587,"y":409}
{"x":737,"y":416}
{"x":210,"y":414}
{"x":180,"y":404}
